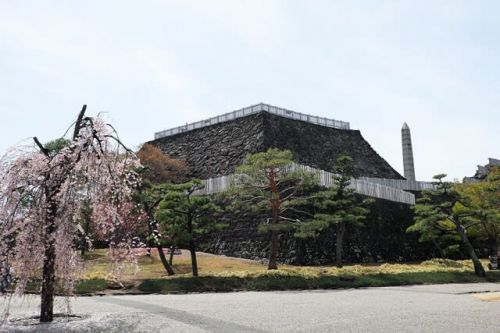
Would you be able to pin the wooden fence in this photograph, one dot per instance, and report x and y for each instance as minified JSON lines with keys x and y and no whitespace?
{"x":388,"y":189}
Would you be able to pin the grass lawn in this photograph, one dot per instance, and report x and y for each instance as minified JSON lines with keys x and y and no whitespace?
{"x":98,"y":265}
{"x":220,"y":273}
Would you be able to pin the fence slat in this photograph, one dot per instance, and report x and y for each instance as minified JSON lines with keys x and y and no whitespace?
{"x":251,"y":110}
{"x":383,"y":188}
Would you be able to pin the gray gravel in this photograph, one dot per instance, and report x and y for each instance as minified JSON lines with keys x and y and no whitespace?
{"x":432,"y":308}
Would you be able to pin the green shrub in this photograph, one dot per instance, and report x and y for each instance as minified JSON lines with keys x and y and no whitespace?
{"x":91,"y":286}
{"x":289,"y":281}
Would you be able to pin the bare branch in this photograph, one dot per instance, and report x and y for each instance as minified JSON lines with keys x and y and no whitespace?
{"x":287,"y":189}
{"x":42,"y":148}
{"x":79,"y":122}
{"x":293,"y":221}
{"x":119,"y":142}
{"x":291,"y":195}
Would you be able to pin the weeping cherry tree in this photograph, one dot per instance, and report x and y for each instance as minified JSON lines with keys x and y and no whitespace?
{"x":42,"y":192}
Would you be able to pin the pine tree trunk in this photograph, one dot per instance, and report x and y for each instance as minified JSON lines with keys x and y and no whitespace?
{"x":171,"y":257}
{"x":273,"y":252}
{"x":194,"y":263}
{"x":478,"y":267}
{"x":338,"y":245}
{"x":438,"y":248}
{"x":300,"y":251}
{"x":192,"y":248}
{"x":164,"y":261}
{"x":149,"y":243}
{"x":494,"y":245}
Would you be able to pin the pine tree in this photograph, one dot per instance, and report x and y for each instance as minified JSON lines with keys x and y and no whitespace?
{"x":267,"y":182}
{"x":336,"y":206}
{"x":184,"y":216}
{"x":444,"y":208}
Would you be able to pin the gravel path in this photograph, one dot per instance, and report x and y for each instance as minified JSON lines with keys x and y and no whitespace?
{"x":432,"y":308}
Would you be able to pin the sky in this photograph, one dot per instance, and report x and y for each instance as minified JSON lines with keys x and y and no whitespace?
{"x":152,"y":65}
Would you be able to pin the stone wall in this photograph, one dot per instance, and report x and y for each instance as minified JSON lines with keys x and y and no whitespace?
{"x":218,"y":149}
{"x":319,"y":146}
{"x":382,"y":238}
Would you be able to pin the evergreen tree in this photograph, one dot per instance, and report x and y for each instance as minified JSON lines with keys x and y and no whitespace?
{"x":268,"y":182}
{"x":185,"y":216}
{"x":484,"y":204}
{"x":158,"y":169}
{"x":444,"y":208}
{"x":336,"y":206}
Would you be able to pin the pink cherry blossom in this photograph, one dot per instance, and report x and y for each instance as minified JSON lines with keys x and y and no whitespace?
{"x":41,"y":196}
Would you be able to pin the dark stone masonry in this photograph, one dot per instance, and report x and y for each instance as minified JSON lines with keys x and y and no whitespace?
{"x":383,"y":238}
{"x":218,"y":149}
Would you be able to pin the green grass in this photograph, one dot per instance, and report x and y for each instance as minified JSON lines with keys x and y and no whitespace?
{"x":291,"y":282}
{"x":99,"y":265}
{"x":222,"y":274}
{"x":91,"y":286}
{"x":82,"y":287}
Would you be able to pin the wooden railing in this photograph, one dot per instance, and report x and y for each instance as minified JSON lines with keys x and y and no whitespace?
{"x":252,"y":110}
{"x":402,"y":184}
{"x":388,"y":189}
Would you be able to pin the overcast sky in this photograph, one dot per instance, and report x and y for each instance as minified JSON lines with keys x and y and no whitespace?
{"x":153,"y":65}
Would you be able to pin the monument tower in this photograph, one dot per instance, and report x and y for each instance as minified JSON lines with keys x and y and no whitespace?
{"x":409,"y":168}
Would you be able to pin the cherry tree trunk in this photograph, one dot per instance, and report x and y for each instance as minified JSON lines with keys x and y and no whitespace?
{"x":164,"y":260}
{"x":48,"y":277}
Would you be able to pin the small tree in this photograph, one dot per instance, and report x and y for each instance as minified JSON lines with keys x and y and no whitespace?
{"x":446,"y":209}
{"x":41,"y":195}
{"x":267,"y":182}
{"x":336,"y":206}
{"x":184,"y":216}
{"x":85,"y":222}
{"x":158,"y":168}
{"x":484,"y":204}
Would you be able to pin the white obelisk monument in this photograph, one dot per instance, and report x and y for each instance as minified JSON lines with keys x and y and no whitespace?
{"x":409,"y":167}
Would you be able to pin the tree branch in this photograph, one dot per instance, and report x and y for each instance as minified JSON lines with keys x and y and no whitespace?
{"x":79,"y":122}
{"x":290,"y":195}
{"x":293,"y":221}
{"x":42,"y":148}
{"x":119,"y":142}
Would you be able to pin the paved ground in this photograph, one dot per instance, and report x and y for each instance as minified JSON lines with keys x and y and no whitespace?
{"x":435,"y":308}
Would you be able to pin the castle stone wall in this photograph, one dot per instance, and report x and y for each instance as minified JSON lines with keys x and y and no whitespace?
{"x":218,"y":149}
{"x":383,"y":238}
